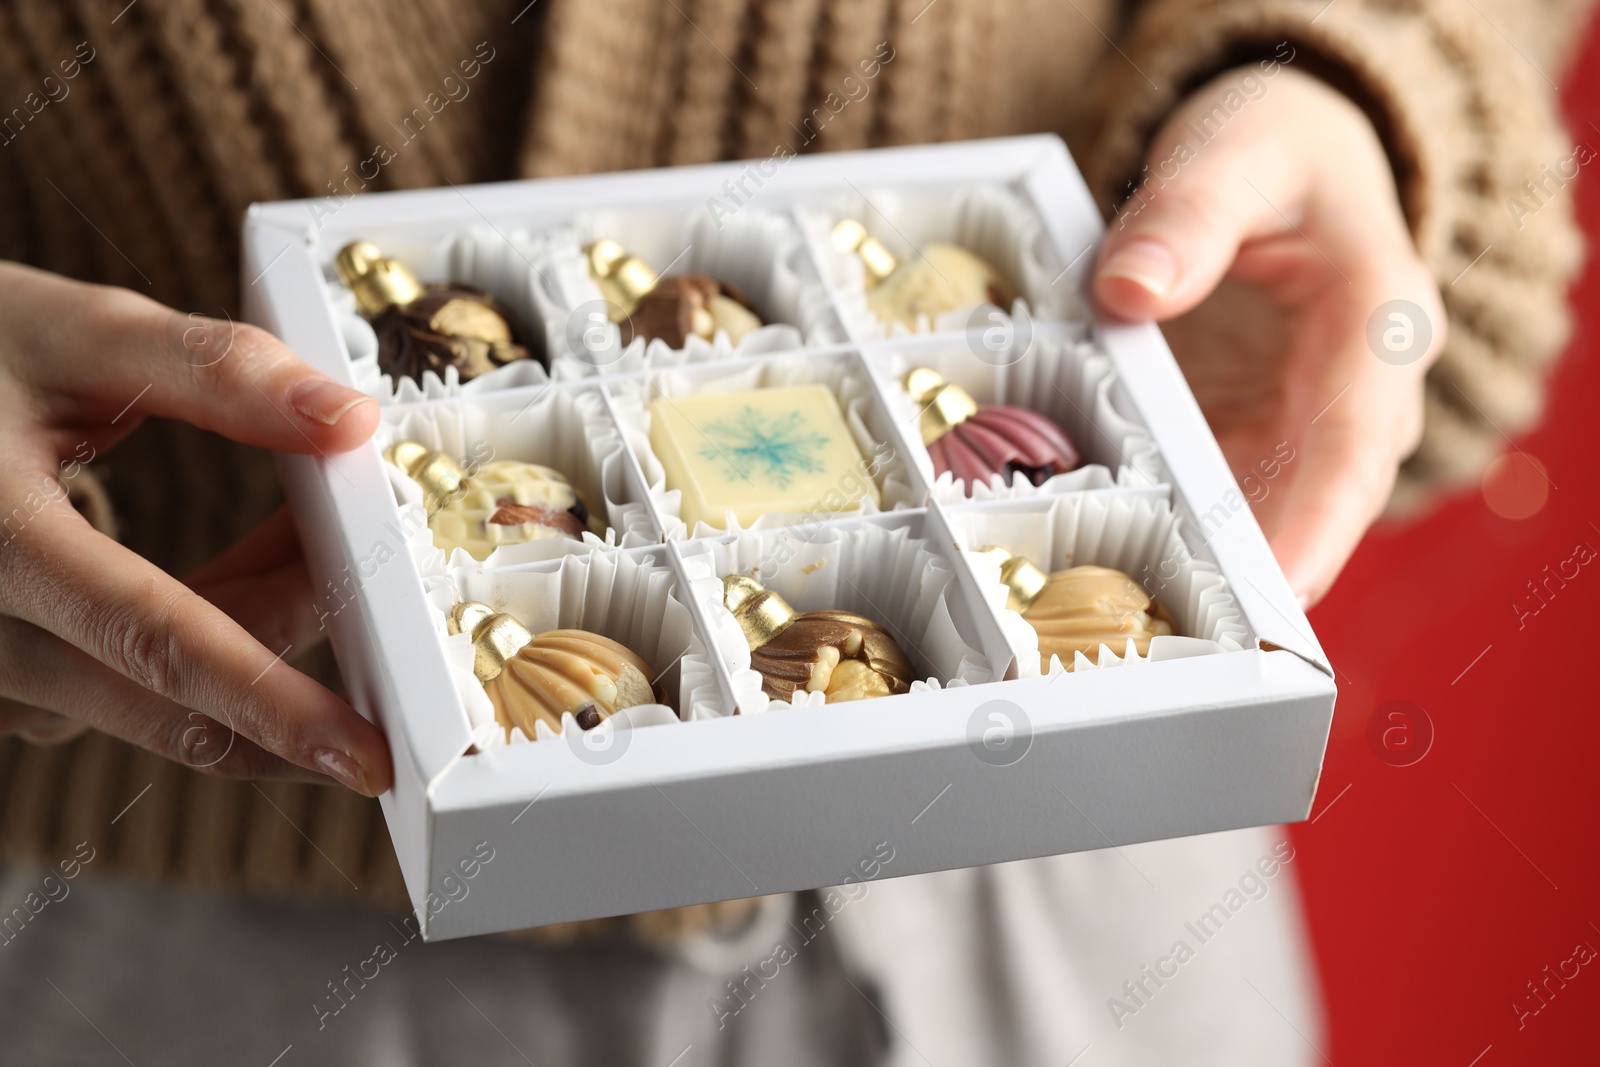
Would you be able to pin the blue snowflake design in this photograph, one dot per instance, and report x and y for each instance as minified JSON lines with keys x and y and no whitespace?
{"x":773,"y":449}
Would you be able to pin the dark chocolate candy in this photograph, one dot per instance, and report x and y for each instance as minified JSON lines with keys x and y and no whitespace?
{"x":448,"y":325}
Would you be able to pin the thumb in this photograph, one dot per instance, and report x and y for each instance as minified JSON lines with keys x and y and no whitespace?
{"x":1173,"y":242}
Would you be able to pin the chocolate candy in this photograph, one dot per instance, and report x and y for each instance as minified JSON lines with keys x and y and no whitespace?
{"x":974,"y":442}
{"x":685,"y":304}
{"x":504,"y":502}
{"x":422,"y":328}
{"x":942,"y":278}
{"x":785,"y":451}
{"x":532,"y":679}
{"x":839,"y":653}
{"x":1081,"y":608}
{"x":669,"y":309}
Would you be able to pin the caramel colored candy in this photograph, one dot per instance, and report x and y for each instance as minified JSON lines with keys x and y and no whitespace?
{"x":568,"y":672}
{"x":838,"y":653}
{"x":532,"y":679}
{"x":1082,"y":608}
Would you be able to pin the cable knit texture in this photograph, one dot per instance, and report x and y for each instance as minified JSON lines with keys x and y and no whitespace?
{"x":136,"y":171}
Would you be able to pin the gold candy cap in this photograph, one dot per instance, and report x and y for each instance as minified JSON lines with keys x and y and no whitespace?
{"x":762,"y":614}
{"x":604,"y":255}
{"x":496,"y":636}
{"x":439,"y":475}
{"x":849,"y":235}
{"x":1023,"y":580}
{"x":377,"y":281}
{"x":945,"y":405}
{"x":624,"y":279}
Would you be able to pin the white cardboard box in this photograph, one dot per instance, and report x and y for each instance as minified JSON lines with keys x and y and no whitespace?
{"x":752,"y":804}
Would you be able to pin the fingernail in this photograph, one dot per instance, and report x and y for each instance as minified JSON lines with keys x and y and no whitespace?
{"x":342,"y":769}
{"x":1148,"y":264}
{"x":324,"y":401}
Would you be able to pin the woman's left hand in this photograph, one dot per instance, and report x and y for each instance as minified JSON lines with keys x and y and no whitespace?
{"x":1267,"y":250}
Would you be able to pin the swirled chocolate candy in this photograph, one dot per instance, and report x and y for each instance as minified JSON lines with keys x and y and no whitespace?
{"x":942,"y":278}
{"x":505,"y":502}
{"x":669,"y":309}
{"x":1081,"y":608}
{"x":539,"y":678}
{"x":975,"y":441}
{"x":422,"y":328}
{"x":839,"y":653}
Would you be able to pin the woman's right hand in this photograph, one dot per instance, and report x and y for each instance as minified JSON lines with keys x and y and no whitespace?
{"x":94,"y":636}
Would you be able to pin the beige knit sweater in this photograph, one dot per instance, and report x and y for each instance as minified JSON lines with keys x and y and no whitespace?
{"x":132,"y":136}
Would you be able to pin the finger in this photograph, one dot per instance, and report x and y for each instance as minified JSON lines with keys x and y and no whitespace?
{"x":68,"y":579}
{"x":276,"y":608}
{"x":118,"y":350}
{"x":1347,"y":458}
{"x":1170,"y":245}
{"x":271,"y":545}
{"x":53,"y":691}
{"x":262,"y":583}
{"x":37,"y":725}
{"x":1342,"y":486}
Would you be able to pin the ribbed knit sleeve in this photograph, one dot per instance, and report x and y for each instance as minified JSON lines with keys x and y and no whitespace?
{"x":1463,"y":94}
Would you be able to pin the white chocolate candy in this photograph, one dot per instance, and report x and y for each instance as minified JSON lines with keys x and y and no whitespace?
{"x":784,"y":451}
{"x":942,"y":279}
{"x":731,"y":317}
{"x":508,"y":503}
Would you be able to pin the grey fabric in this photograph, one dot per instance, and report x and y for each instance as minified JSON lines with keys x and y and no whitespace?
{"x":1025,"y":963}
{"x":1015,"y":964}
{"x":155,"y":975}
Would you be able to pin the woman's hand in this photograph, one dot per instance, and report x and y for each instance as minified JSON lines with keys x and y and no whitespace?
{"x":1268,"y":238}
{"x":92,"y":635}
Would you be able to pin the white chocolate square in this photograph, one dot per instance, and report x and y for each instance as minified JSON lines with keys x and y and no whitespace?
{"x":785,"y":450}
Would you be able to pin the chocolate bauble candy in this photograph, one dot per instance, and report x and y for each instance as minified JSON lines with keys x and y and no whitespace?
{"x":838,"y":653}
{"x":1004,"y":440}
{"x":426,"y":327}
{"x":503,"y":502}
{"x":974,"y":442}
{"x":1081,"y":608}
{"x":539,"y":678}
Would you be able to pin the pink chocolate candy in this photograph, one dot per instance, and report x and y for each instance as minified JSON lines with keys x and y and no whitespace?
{"x":1001,"y":440}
